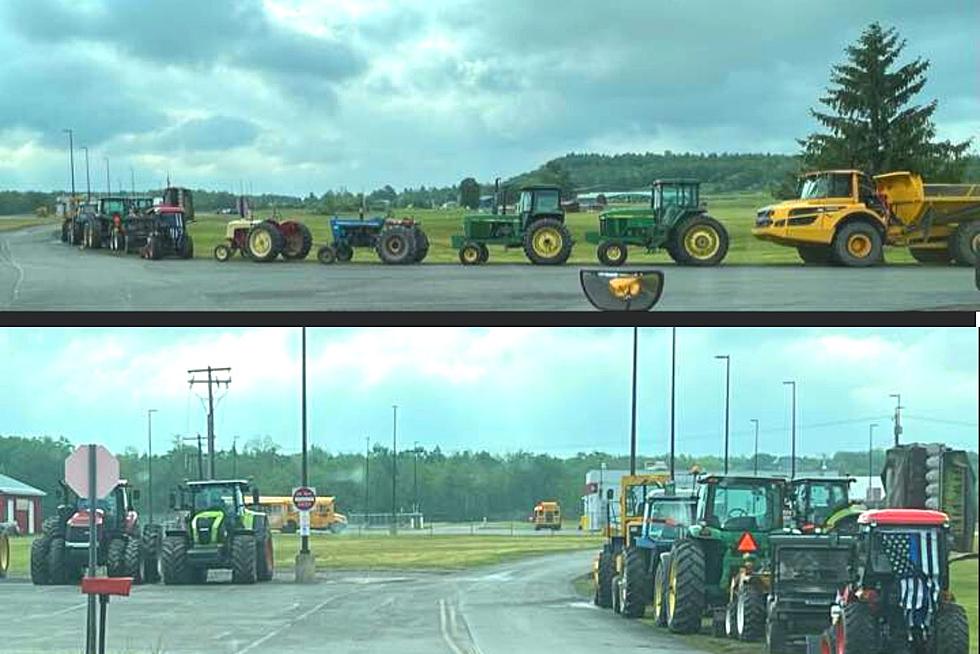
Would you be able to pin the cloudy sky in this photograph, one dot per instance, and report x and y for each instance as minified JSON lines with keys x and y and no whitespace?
{"x":546,"y":390}
{"x":307,"y":95}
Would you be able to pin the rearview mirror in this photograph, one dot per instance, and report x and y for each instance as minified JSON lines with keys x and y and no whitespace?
{"x":622,"y":291}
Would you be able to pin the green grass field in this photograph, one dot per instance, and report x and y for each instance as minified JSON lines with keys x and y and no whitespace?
{"x":736,"y":212}
{"x":10,"y":223}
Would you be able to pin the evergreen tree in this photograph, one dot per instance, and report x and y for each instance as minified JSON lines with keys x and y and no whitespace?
{"x":872,"y":121}
{"x":469,"y":193}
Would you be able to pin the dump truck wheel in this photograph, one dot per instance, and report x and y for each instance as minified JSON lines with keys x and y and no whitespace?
{"x":548,"y":242}
{"x":265,"y":562}
{"x":396,"y":245}
{"x":699,"y":241}
{"x":855,"y":632}
{"x":858,"y":245}
{"x":951,"y":632}
{"x":297,"y":240}
{"x":612,"y":253}
{"x":326,"y":255}
{"x":243,"y":559}
{"x":173,"y":561}
{"x":931,"y":257}
{"x":750,"y":613}
{"x":264,"y":242}
{"x":636,"y":589}
{"x":344,"y":252}
{"x":685,"y":587}
{"x":470,"y":254}
{"x":818,"y":255}
{"x":133,"y":560}
{"x":115,"y":558}
{"x":187,"y":252}
{"x":660,"y":592}
{"x":965,"y":243}
{"x":605,"y":577}
{"x":39,"y":560}
{"x":57,"y":574}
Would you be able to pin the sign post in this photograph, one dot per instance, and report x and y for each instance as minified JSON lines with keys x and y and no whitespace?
{"x":304,"y":499}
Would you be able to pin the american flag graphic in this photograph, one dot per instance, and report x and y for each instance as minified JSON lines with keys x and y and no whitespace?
{"x":914,"y":558}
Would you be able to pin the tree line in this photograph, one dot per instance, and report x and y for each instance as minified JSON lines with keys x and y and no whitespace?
{"x":453,"y":486}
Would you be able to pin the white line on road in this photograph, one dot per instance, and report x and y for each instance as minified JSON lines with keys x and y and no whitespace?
{"x":289,"y":624}
{"x":62,"y":611}
{"x":445,"y":633}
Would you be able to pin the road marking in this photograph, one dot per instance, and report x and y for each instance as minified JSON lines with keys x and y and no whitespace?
{"x":289,"y":624}
{"x":9,"y":257}
{"x":445,"y":633}
{"x":62,"y":611}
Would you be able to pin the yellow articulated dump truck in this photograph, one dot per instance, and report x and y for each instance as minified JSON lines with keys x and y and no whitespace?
{"x":846,"y":217}
{"x":547,"y":515}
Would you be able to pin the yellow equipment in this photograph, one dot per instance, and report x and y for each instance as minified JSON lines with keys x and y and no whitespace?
{"x":547,"y":515}
{"x":282,"y":514}
{"x":847,"y":217}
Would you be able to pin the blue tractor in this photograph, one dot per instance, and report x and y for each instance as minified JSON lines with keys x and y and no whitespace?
{"x":396,"y":241}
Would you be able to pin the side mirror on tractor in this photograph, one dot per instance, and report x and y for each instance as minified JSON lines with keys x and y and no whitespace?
{"x":622,"y":291}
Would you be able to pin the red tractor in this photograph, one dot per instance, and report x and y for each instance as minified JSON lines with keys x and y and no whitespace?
{"x":898,"y":599}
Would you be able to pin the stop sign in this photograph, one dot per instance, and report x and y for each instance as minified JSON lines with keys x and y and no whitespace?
{"x":304,"y":498}
{"x":106,"y":471}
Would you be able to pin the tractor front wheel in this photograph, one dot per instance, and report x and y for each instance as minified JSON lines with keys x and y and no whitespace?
{"x":421,"y":245}
{"x":471,"y":254}
{"x":685,"y":587}
{"x":264,"y":242}
{"x":636,"y":590}
{"x":115,"y":558}
{"x":243,"y":569}
{"x":612,"y":253}
{"x":173,"y":561}
{"x":39,"y":561}
{"x":858,"y":245}
{"x":699,"y":241}
{"x":133,"y":560}
{"x":604,"y":580}
{"x":344,"y":251}
{"x":617,"y":589}
{"x":548,"y":242}
{"x":660,"y":592}
{"x":57,"y":574}
{"x":951,"y":633}
{"x":4,"y":554}
{"x":750,"y":613}
{"x":326,"y":255}
{"x":222,"y":252}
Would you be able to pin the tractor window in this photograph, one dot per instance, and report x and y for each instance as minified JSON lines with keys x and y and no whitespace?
{"x":741,"y":508}
{"x":223,"y":498}
{"x":547,"y":202}
{"x":524,"y":206}
{"x":667,"y":517}
{"x":813,"y":566}
{"x":109,"y":504}
{"x":832,"y":185}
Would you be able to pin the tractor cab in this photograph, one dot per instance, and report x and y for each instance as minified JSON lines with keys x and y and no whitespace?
{"x":823,"y":504}
{"x":540,"y":202}
{"x":114,"y":206}
{"x":741,"y":504}
{"x":673,"y":195}
{"x":627,"y":520}
{"x":228,"y":497}
{"x":666,"y":516}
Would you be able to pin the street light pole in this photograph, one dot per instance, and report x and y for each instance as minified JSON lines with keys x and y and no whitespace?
{"x":71,"y":160}
{"x":367,"y":475}
{"x":755,"y":458}
{"x":633,"y":407}
{"x":728,"y":388}
{"x":871,"y":431}
{"x":415,"y":478}
{"x":898,"y":415}
{"x":305,"y":544}
{"x":792,"y":474}
{"x":394,"y":468}
{"x":149,"y":457}
{"x":673,"y":379}
{"x":88,"y":182}
{"x":108,"y":185}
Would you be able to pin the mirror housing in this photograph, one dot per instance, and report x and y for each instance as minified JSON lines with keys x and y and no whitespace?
{"x":609,"y":290}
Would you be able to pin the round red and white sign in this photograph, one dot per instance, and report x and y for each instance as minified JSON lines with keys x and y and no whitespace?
{"x":304,"y":498}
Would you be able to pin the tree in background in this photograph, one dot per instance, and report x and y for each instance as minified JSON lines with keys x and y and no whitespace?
{"x":872,"y":121}
{"x":469,"y":193}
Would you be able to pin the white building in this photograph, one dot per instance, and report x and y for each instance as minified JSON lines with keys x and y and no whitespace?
{"x":594,"y":502}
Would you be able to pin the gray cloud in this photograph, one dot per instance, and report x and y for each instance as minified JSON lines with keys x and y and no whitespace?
{"x":214,"y":133}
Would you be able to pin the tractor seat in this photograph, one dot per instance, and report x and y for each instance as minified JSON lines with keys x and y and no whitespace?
{"x":741,"y":523}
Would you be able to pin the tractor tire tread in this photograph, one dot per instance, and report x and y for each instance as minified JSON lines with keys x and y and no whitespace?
{"x":688,"y":565}
{"x":243,"y":569}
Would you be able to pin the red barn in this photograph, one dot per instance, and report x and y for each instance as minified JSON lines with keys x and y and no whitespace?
{"x":21,"y":504}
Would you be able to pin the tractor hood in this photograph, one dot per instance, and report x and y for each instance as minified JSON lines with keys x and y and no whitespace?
{"x":81,"y":518}
{"x":626,"y":213}
{"x":206,"y":527}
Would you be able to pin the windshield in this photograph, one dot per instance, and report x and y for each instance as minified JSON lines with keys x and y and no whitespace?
{"x":813,"y":566}
{"x":742,"y":507}
{"x":524,"y":206}
{"x":548,"y":202}
{"x":219,"y":497}
{"x":109,"y":504}
{"x":831,"y":185}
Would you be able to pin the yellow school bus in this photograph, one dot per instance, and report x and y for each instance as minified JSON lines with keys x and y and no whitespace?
{"x":284,"y":516}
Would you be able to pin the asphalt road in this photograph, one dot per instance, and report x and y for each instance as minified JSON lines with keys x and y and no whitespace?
{"x":527,"y":606}
{"x":39,"y":273}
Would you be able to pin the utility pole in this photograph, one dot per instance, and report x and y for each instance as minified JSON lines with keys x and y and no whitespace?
{"x":149,"y":457}
{"x":71,"y":160}
{"x":415,"y":478}
{"x":367,"y":475}
{"x":898,"y":415}
{"x":132,"y":181}
{"x":633,"y":407}
{"x":871,"y":474}
{"x":211,"y":381}
{"x":88,"y":183}
{"x":108,"y":186}
{"x":394,"y":468}
{"x":755,"y":466}
{"x":305,"y":540}
{"x":792,"y":474}
{"x":728,"y":388}
{"x":234,"y":457}
{"x":673,"y":380}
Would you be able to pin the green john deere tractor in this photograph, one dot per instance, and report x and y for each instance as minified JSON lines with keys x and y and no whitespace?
{"x":538,"y":227}
{"x":676,"y":221}
{"x":714,"y":568}
{"x":215,"y":529}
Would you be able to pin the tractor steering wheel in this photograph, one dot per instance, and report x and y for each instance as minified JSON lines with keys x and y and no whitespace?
{"x":737,"y":513}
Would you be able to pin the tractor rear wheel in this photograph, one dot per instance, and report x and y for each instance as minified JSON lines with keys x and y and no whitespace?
{"x":187,"y":251}
{"x":222,"y":252}
{"x":548,"y":242}
{"x":421,"y":245}
{"x":297,"y":240}
{"x":818,"y":255}
{"x":685,"y":587}
{"x":951,"y":632}
{"x":931,"y":257}
{"x":855,"y":632}
{"x":858,"y":245}
{"x":264,"y":242}
{"x":484,"y":253}
{"x":326,"y":255}
{"x":775,"y":634}
{"x":396,"y":245}
{"x":344,"y":251}
{"x":243,"y":559}
{"x":115,"y":558}
{"x":607,"y":568}
{"x":57,"y":574}
{"x":965,"y":243}
{"x":660,"y":592}
{"x":471,"y":254}
{"x":750,"y":613}
{"x":173,"y":560}
{"x":699,"y":241}
{"x":39,"y":561}
{"x":133,"y":560}
{"x":612,"y":253}
{"x":636,"y":588}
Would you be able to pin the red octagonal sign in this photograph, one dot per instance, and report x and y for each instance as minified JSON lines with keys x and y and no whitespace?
{"x":106,"y":471}
{"x":304,"y":498}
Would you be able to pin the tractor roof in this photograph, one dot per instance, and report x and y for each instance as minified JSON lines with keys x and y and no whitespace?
{"x":218,"y":482}
{"x":676,"y":180}
{"x":904,"y":518}
{"x":714,"y":479}
{"x":800,"y":480}
{"x":540,"y":187}
{"x":166,"y":208}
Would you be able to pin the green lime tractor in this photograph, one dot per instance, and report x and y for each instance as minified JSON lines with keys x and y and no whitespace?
{"x":823,"y":504}
{"x":713,"y":569}
{"x":676,"y":221}
{"x":538,"y":227}
{"x":215,"y":529}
